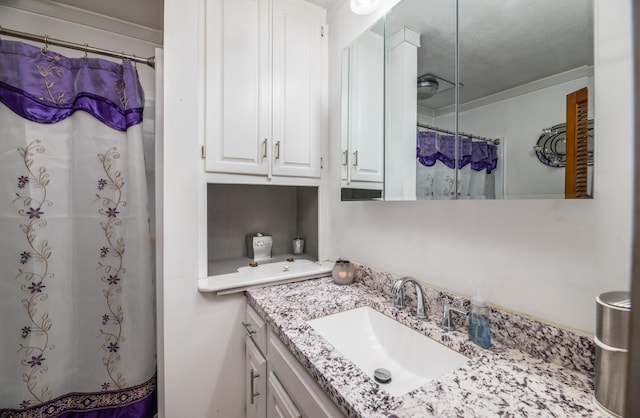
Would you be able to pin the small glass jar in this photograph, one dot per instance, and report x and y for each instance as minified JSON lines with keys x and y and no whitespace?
{"x":298,"y":246}
{"x":343,"y":272}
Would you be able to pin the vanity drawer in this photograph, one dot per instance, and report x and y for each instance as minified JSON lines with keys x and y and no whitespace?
{"x":307,"y":395}
{"x":255,"y":327}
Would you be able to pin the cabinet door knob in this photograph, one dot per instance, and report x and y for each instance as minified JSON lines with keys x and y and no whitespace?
{"x":254,"y":376}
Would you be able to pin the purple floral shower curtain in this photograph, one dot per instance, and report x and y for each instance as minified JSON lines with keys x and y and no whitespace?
{"x":77,"y":328}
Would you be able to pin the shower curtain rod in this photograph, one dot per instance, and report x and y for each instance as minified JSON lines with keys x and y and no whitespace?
{"x":446,"y":131}
{"x":80,"y":47}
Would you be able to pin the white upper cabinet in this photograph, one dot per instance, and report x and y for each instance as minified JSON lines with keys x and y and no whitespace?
{"x":366,"y":108}
{"x":265,"y":63}
{"x":238,"y":86}
{"x":363,"y":112}
{"x":298,"y":33}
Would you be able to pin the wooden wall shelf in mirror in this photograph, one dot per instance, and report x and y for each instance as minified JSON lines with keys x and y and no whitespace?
{"x":506,"y":79}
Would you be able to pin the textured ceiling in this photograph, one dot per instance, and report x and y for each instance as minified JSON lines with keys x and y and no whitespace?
{"x":503,"y":43}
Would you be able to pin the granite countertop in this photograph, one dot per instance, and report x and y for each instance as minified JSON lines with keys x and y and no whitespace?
{"x":502,"y":381}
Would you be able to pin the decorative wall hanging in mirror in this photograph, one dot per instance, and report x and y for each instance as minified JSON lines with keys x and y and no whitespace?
{"x":551,"y":145}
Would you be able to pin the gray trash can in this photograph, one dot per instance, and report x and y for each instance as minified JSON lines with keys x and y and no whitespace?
{"x":612,"y":344}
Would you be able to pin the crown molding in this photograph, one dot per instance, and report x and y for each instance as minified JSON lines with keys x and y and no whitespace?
{"x":584,"y":71}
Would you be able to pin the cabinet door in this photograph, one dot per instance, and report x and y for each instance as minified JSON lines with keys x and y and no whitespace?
{"x":238,"y":83}
{"x":366,"y":108}
{"x":298,"y":51}
{"x":279,"y":404}
{"x":256,"y":387}
{"x":345,"y":71}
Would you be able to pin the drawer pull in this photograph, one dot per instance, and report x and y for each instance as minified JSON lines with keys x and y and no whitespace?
{"x":247,"y":328}
{"x":254,"y":376}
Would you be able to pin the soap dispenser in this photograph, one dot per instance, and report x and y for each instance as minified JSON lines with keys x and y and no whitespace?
{"x":479,"y":331}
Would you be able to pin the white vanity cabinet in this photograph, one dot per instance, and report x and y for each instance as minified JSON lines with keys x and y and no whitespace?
{"x":265,"y":67}
{"x":290,"y":390}
{"x":255,"y":365}
{"x":279,"y":404}
{"x":301,"y":388}
{"x":256,"y":381}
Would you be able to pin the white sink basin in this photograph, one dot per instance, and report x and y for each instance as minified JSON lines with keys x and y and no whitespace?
{"x":372,"y":340}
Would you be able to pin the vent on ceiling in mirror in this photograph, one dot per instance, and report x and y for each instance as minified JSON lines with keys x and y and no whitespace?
{"x":429,"y":85}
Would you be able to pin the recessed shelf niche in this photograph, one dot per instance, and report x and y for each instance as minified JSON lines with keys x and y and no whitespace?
{"x":235,"y":210}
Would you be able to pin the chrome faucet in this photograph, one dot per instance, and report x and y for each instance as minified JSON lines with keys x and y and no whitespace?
{"x":421,"y":311}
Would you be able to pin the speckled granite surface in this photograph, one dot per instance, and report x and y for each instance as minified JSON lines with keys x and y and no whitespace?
{"x":501,"y":382}
{"x":540,"y":340}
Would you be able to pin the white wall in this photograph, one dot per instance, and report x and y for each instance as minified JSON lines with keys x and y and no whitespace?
{"x":201,"y":351}
{"x":519,"y":121}
{"x":545,"y":258}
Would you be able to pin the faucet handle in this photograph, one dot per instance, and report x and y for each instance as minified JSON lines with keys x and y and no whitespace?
{"x":447,"y":320}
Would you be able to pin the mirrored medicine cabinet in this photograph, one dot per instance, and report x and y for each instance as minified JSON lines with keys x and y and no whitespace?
{"x":467,"y":99}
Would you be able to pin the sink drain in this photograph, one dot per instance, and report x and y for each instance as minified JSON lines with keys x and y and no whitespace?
{"x":382,"y":375}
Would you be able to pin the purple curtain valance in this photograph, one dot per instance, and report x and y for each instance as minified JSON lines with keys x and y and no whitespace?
{"x":433,"y":147}
{"x":46,"y":87}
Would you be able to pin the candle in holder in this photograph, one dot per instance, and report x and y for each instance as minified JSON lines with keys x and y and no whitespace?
{"x":343,"y":272}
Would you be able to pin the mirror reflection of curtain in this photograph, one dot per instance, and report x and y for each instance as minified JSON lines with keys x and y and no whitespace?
{"x":76,"y":284}
{"x":435,"y":170}
{"x":435,"y":174}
